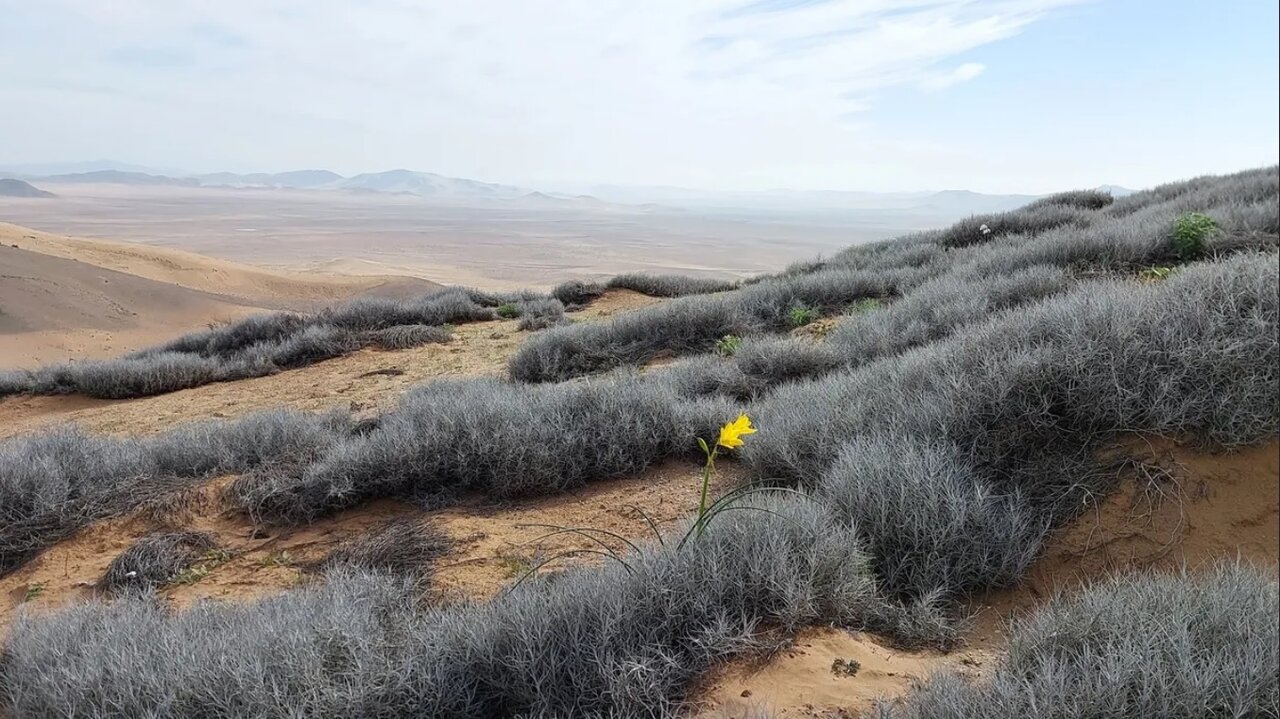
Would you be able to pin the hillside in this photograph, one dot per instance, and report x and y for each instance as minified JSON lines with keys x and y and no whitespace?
{"x":18,"y":188}
{"x":1026,"y":465}
{"x":50,"y":306}
{"x":69,"y":297}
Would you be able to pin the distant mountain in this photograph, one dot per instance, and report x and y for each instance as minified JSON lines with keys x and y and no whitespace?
{"x":945,"y":205}
{"x":948,"y":203}
{"x":295,"y":179}
{"x":427,"y":184}
{"x":41,"y":169}
{"x":966,"y":201}
{"x":19,"y":188}
{"x":116,"y":177}
{"x":1115,"y":190}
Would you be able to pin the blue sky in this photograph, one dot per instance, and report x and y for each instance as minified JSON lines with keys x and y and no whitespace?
{"x":990,"y":95}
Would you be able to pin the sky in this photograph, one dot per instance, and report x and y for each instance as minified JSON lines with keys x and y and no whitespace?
{"x":988,"y":95}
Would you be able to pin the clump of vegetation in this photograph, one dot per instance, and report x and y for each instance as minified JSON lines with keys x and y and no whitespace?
{"x":33,"y":591}
{"x":401,"y":547}
{"x":1083,"y":199}
{"x":575,"y":293}
{"x":202,"y":567}
{"x":539,"y":314}
{"x":869,"y":304}
{"x":670,"y":285}
{"x":156,"y":560}
{"x":1177,"y":646}
{"x":282,"y":558}
{"x":845,"y":667}
{"x":799,"y":315}
{"x":728,"y":345}
{"x":1155,"y":274}
{"x":507,"y":311}
{"x":1191,"y":233}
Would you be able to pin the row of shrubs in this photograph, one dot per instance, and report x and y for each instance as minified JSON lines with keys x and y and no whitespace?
{"x":927,"y":475}
{"x":691,"y":325}
{"x":617,"y":641}
{"x":447,"y":437}
{"x":1077,"y":233}
{"x":265,"y":344}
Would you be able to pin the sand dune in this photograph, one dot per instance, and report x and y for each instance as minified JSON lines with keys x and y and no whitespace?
{"x":64,"y":297}
{"x":199,"y":272}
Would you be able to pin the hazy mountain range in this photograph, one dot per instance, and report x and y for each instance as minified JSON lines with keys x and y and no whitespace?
{"x":431,"y":185}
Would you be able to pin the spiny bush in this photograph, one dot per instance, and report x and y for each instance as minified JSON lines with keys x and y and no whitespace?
{"x":930,"y":524}
{"x":405,"y":547}
{"x":540,"y":314}
{"x":504,"y":440}
{"x":1177,"y":646}
{"x":1191,"y":233}
{"x":404,"y":337}
{"x":154,"y":560}
{"x":575,"y":293}
{"x":670,"y":285}
{"x":1083,"y":199}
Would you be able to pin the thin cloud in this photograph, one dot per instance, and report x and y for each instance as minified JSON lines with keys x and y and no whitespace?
{"x":606,"y":89}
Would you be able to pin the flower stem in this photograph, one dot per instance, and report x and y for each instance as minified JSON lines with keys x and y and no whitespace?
{"x":707,"y":469}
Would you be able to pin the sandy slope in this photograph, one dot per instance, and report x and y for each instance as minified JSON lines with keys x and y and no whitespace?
{"x":199,"y":272}
{"x":1176,"y":506}
{"x":64,"y":298}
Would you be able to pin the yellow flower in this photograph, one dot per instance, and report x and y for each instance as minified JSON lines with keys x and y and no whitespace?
{"x":731,"y":434}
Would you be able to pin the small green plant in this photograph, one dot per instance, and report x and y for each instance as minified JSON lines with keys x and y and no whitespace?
{"x":507,"y":311}
{"x":1191,"y":232}
{"x":845,"y":667}
{"x":201,"y":569}
{"x":192,"y":574}
{"x":728,"y":345}
{"x":278,"y":559}
{"x":1155,"y":274}
{"x":800,"y":315}
{"x":34,"y":591}
{"x":866,"y":304}
{"x":515,"y":562}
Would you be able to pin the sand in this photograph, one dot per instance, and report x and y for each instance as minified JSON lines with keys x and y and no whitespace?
{"x":68,"y":298}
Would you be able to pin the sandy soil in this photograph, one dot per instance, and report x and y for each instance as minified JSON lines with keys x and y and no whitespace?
{"x":493,"y":544}
{"x":201,"y":272}
{"x":64,"y":298}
